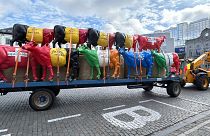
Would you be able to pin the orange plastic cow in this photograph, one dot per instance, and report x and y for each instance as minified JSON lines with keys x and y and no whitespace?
{"x":115,"y":62}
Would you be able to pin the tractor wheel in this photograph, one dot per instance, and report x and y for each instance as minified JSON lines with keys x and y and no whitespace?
{"x":173,"y":89}
{"x":202,"y":82}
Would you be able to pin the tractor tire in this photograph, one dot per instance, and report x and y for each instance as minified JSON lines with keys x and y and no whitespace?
{"x":173,"y":89}
{"x":202,"y":82}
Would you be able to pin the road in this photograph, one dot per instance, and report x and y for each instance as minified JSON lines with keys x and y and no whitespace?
{"x":109,"y":111}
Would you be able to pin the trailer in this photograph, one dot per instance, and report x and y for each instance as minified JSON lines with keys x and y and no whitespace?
{"x":44,"y":92}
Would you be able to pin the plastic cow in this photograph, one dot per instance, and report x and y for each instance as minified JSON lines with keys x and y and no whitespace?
{"x":167,"y":60}
{"x":92,"y":59}
{"x":150,"y":43}
{"x":41,"y":56}
{"x":8,"y":56}
{"x":131,"y":61}
{"x":74,"y":64}
{"x":113,"y":60}
{"x":19,"y":33}
{"x":59,"y":32}
{"x":119,"y":40}
{"x":96,"y":37}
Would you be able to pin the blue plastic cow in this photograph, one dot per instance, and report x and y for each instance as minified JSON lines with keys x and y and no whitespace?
{"x":146,"y":60}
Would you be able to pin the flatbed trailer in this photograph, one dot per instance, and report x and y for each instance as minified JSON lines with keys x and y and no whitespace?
{"x":44,"y":92}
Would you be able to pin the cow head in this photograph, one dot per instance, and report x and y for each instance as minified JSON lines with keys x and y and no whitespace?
{"x":119,"y":40}
{"x":121,"y":50}
{"x":82,"y":49}
{"x":29,"y":46}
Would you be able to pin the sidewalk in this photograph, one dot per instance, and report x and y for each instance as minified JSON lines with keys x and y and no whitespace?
{"x":198,"y":125}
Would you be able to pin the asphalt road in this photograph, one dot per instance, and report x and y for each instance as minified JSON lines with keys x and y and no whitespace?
{"x":108,"y":111}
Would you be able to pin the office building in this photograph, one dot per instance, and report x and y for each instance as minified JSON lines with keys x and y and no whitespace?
{"x":196,"y":47}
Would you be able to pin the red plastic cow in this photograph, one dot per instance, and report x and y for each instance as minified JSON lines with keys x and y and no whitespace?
{"x":150,"y":43}
{"x":41,"y":55}
{"x":8,"y":56}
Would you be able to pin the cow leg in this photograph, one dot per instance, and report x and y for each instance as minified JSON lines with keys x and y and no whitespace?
{"x":118,"y":70}
{"x":12,"y":42}
{"x":89,"y":45}
{"x":33,"y":66}
{"x":54,"y":42}
{"x":115,"y":71}
{"x":177,"y":66}
{"x":99,"y":72}
{"x":91,"y":73}
{"x":149,"y":69}
{"x":50,"y":78}
{"x":59,"y":44}
{"x":44,"y":70}
{"x":2,"y":77}
{"x":166,"y":68}
{"x":158,"y":70}
{"x":74,"y":71}
{"x":129,"y":72}
{"x":20,"y":44}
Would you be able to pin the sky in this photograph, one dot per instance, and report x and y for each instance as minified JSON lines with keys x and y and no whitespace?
{"x":127,"y":16}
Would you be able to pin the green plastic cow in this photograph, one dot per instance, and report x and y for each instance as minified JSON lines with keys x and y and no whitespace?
{"x":92,"y":59}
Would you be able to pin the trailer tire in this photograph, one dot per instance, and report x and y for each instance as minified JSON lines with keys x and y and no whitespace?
{"x":202,"y":82}
{"x":41,"y":99}
{"x":173,"y":89}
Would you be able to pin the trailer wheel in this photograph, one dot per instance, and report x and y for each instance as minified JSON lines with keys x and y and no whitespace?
{"x":41,"y":99}
{"x":173,"y":89}
{"x":202,"y":82}
{"x":148,"y":88}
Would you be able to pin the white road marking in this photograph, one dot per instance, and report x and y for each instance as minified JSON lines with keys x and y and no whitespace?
{"x":114,"y":107}
{"x":146,"y":101}
{"x":195,"y":128}
{"x":62,"y":118}
{"x":138,"y":120}
{"x":3,"y":130}
{"x":6,"y":135}
{"x":195,"y":101}
{"x":175,"y":106}
{"x":207,"y":128}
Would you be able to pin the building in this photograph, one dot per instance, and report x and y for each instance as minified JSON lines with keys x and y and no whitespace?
{"x":185,"y":31}
{"x":195,"y":28}
{"x":182,"y":31}
{"x":168,"y":45}
{"x":5,"y":36}
{"x":196,"y":47}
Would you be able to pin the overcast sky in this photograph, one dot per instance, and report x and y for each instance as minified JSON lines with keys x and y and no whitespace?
{"x":128,"y":16}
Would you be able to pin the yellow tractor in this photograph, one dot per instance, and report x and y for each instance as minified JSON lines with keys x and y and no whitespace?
{"x":197,"y":72}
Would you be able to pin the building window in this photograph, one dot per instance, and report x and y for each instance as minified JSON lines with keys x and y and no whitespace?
{"x":7,"y":41}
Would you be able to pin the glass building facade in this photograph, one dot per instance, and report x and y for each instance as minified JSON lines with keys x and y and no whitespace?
{"x":185,"y":31}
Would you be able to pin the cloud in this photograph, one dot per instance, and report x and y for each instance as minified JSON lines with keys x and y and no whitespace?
{"x":185,"y":15}
{"x":128,"y":16}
